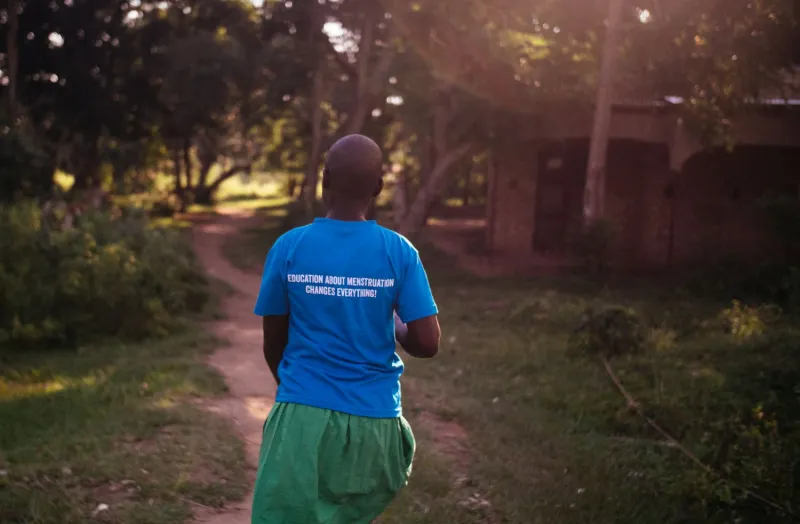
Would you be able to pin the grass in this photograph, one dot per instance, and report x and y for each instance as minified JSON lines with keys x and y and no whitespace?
{"x":551,"y":439}
{"x":248,"y":250}
{"x":115,"y":433}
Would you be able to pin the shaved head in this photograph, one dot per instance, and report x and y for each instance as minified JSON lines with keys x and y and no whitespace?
{"x":353,"y":169}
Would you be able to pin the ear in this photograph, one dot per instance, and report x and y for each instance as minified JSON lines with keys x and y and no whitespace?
{"x":378,"y":189}
{"x":326,"y":182}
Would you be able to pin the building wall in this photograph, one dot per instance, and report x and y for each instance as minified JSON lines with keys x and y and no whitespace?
{"x":717,"y":204}
{"x":637,"y":176}
{"x":706,"y":213}
{"x":513,"y":199}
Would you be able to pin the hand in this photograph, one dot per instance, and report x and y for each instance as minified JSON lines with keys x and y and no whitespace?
{"x":400,"y":329}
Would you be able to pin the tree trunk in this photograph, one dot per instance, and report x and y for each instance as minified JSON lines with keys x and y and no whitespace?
{"x":207,"y":154}
{"x":594,"y":192}
{"x":187,"y":163}
{"x":400,"y":202}
{"x":180,"y":191}
{"x":205,"y":194}
{"x":439,"y":125}
{"x":431,"y":190}
{"x":467,"y":186}
{"x":315,"y":152}
{"x":370,"y":83}
{"x":12,"y":47}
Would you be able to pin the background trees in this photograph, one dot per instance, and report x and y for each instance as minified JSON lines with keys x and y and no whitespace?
{"x":208,"y":89}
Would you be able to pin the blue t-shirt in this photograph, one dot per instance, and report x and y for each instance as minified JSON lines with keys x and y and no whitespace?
{"x":340,"y":283}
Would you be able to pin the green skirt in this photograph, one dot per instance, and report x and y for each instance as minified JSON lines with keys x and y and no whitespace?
{"x":319,"y":466}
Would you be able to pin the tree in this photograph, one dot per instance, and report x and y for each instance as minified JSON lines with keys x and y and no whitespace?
{"x":225,"y":81}
{"x":594,"y":193}
{"x":716,"y":56}
{"x":458,"y":68}
{"x":350,"y":76}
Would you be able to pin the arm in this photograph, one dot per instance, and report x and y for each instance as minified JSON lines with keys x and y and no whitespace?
{"x":419,"y":338}
{"x":420,"y":334}
{"x":273,"y":305}
{"x":276,"y":336}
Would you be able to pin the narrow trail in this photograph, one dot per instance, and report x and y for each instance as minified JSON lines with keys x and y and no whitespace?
{"x":251,"y":387}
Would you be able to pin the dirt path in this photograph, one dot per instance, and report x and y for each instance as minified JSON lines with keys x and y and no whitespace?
{"x":251,"y":387}
{"x":241,"y":362}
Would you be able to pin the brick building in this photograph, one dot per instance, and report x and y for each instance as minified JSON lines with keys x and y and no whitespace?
{"x":672,"y":201}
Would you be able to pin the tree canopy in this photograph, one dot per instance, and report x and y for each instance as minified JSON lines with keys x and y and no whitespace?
{"x":99,"y":86}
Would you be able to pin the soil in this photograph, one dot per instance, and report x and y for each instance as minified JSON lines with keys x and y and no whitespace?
{"x":251,"y":386}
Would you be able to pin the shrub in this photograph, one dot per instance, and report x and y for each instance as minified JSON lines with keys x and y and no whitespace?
{"x":106,"y":275}
{"x":611,"y":331}
{"x":25,"y":169}
{"x":743,"y":321}
{"x":751,"y":461}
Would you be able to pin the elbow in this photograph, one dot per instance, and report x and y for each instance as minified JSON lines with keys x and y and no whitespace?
{"x":427,"y":348}
{"x":428,"y":351}
{"x":424,"y":337}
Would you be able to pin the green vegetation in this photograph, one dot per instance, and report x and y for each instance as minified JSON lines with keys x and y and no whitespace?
{"x":114,"y":424}
{"x":102,"y":375}
{"x":554,"y":440}
{"x":67,"y":278}
{"x":169,"y":106}
{"x":550,"y":437}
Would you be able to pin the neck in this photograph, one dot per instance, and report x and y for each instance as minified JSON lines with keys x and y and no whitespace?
{"x":346,"y":215}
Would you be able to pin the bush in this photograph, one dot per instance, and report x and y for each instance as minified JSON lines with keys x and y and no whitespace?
{"x":25,"y":169}
{"x":611,"y":331}
{"x":102,"y":276}
{"x":744,"y":322}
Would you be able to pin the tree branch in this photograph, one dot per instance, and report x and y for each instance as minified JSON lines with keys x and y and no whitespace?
{"x":233,"y":171}
{"x":432,"y":188}
{"x":341,"y":60}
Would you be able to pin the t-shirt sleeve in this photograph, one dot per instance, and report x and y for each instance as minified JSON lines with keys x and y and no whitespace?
{"x":273,"y":298}
{"x":415,"y":298}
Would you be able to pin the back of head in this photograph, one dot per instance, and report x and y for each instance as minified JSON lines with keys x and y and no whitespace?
{"x":353,"y":170}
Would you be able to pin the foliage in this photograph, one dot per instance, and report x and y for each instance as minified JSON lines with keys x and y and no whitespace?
{"x":107,"y":275}
{"x":743,"y":321}
{"x":25,"y":170}
{"x":752,"y":454}
{"x":717,"y":56}
{"x":611,"y":331}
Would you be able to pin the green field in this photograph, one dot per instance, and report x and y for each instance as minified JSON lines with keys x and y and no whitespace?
{"x":546,"y":437}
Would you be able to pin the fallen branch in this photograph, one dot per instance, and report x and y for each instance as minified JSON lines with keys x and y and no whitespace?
{"x":197,"y":504}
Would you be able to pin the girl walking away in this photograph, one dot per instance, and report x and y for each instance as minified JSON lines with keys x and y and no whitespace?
{"x":335,"y":297}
